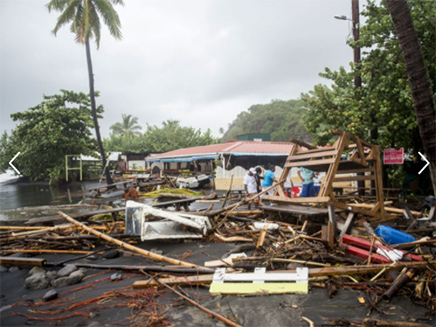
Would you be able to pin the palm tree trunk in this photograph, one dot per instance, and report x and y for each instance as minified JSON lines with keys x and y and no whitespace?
{"x":94,"y":112}
{"x":419,"y":80}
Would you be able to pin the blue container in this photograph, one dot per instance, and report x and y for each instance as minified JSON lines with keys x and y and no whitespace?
{"x":393,"y":236}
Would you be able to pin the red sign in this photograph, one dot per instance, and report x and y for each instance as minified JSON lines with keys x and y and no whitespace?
{"x":393,"y":156}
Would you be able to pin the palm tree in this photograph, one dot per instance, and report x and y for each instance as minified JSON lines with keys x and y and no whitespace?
{"x":128,"y":128}
{"x":419,"y":80}
{"x":84,"y":16}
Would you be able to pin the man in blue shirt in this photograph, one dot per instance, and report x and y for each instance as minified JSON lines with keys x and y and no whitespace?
{"x":269,"y":178}
{"x":306,"y":176}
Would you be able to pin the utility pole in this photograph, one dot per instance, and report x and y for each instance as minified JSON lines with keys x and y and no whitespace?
{"x":356,"y":35}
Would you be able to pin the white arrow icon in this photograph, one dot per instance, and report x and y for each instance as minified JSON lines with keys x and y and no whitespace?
{"x":10,"y":163}
{"x":427,"y":163}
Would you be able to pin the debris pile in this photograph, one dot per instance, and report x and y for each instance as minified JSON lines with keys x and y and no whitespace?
{"x":285,"y":245}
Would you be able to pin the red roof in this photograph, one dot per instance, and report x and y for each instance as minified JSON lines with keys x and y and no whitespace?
{"x":231,"y":147}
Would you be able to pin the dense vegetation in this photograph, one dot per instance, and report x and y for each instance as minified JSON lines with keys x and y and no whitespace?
{"x":60,"y":125}
{"x":383,"y":104}
{"x":170,"y":136}
{"x":282,"y":119}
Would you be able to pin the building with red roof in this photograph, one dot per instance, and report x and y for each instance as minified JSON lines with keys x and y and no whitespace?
{"x":226,"y":159}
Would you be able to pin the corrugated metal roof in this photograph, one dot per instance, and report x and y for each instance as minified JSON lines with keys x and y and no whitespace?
{"x":231,"y":147}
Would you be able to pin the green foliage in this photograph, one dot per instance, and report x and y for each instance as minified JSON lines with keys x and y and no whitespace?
{"x":128,"y":128}
{"x":384,"y":102}
{"x":170,"y":136}
{"x":84,"y":16}
{"x":282,"y":119}
{"x":58,"y":126}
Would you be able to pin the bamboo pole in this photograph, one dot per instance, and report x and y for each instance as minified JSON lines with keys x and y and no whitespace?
{"x":122,"y":244}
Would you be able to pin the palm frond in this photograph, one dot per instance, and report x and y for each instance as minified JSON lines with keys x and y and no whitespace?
{"x":67,"y":15}
{"x":110,"y":17}
{"x":57,"y":5}
{"x":94,"y":22}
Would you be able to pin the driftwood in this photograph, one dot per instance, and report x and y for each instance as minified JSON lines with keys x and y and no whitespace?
{"x":381,"y":323}
{"x":27,"y":262}
{"x":122,"y":244}
{"x":313,"y":272}
{"x":403,"y":278}
{"x":152,"y":268}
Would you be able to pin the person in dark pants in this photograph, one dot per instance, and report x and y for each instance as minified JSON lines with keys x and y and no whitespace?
{"x":258,"y":177}
{"x":306,"y":176}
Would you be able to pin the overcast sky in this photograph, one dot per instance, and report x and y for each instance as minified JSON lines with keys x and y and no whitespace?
{"x":201,"y":62}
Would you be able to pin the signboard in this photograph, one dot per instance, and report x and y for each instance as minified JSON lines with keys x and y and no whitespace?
{"x":393,"y":156}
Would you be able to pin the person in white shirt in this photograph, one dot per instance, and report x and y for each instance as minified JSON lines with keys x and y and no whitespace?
{"x":287,"y":187}
{"x":250,"y":186}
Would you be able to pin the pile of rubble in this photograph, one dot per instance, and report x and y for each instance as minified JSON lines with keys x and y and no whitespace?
{"x":275,"y":251}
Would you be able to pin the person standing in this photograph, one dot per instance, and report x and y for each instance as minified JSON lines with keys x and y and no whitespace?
{"x":258,"y":177}
{"x":269,"y":179}
{"x":287,"y":187}
{"x":306,"y":176}
{"x":250,"y":186}
{"x":316,"y":184}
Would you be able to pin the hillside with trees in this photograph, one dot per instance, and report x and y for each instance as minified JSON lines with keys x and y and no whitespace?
{"x":282,"y":119}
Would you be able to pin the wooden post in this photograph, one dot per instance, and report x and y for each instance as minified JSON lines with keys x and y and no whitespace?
{"x":348,"y":224}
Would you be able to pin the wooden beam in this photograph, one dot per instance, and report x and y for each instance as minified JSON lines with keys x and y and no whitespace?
{"x":309,"y":163}
{"x":354,"y":178}
{"x":304,"y":155}
{"x":301,"y":143}
{"x":348,"y":224}
{"x":26,"y":262}
{"x":297,"y":200}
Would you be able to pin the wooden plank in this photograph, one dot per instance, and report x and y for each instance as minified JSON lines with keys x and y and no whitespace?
{"x":350,"y":207}
{"x":297,"y":200}
{"x":309,"y":163}
{"x":317,"y":150}
{"x":348,"y":224}
{"x":304,"y":155}
{"x":355,"y":171}
{"x":332,"y":218}
{"x":183,"y":280}
{"x":379,"y":181}
{"x":389,"y":209}
{"x":353,"y":178}
{"x":360,"y":151}
{"x":296,"y":209}
{"x":26,"y":262}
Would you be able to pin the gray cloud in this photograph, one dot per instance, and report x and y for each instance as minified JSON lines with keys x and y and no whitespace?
{"x":200,"y":62}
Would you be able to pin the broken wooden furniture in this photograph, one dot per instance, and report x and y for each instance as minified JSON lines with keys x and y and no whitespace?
{"x":361,"y":157}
